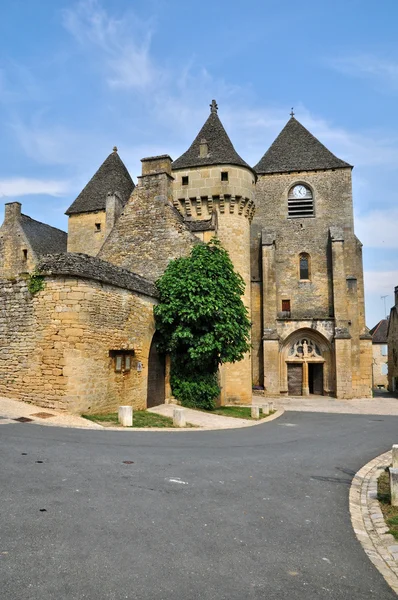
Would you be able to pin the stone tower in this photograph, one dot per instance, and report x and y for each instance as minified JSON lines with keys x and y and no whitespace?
{"x":98,"y":206}
{"x":308,"y":314}
{"x":212,"y":180}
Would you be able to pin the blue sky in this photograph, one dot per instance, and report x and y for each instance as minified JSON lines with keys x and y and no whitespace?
{"x":78,"y":77}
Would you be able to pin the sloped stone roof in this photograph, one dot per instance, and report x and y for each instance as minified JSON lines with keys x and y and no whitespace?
{"x":43,"y":238}
{"x":296,"y":149}
{"x":379,"y":332}
{"x":90,"y":267}
{"x":220,"y":147}
{"x":112,"y":176}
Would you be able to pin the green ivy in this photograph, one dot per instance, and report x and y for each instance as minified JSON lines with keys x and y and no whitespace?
{"x":35,"y":283}
{"x":202,"y":321}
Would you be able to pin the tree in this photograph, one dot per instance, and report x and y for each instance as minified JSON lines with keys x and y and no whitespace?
{"x":202,"y":321}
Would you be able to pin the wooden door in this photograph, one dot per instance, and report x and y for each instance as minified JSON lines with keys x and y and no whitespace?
{"x":295,"y":379}
{"x":315,"y":377}
{"x":156,"y":376}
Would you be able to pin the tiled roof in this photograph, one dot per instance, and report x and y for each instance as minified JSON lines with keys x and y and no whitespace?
{"x":43,"y":238}
{"x":296,"y":149}
{"x":112,"y":176}
{"x":90,"y":267}
{"x":379,"y":332}
{"x":220,"y":147}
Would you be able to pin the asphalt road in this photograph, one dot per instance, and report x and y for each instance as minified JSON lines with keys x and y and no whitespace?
{"x":242,"y":514}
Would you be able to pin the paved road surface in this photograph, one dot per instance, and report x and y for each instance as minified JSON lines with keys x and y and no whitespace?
{"x":244,"y":514}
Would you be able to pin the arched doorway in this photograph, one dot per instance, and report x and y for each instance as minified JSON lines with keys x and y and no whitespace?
{"x":156,"y":376}
{"x":306,"y":364}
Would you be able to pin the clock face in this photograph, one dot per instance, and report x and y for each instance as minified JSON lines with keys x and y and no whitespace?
{"x":299,"y":191}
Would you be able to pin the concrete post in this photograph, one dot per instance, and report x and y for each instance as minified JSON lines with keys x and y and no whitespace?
{"x":255,"y":412}
{"x":266,"y":408}
{"x":271,"y":406}
{"x":125,"y":416}
{"x":394,"y":486}
{"x":395,"y":456}
{"x":179,"y":417}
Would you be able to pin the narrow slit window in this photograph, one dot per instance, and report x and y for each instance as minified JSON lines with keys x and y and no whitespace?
{"x":224,"y":175}
{"x":185,"y":180}
{"x":300,"y":203}
{"x":25,"y":254}
{"x":98,"y":227}
{"x":304,"y":266}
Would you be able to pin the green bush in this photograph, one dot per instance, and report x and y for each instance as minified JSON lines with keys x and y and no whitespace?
{"x":196,"y":391}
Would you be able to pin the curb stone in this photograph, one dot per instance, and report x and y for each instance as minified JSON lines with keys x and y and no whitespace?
{"x":368,"y":522}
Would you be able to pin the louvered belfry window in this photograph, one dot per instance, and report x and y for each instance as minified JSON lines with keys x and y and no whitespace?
{"x":300,"y":202}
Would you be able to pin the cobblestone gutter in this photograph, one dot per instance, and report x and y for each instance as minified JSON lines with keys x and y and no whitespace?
{"x":368,"y":521}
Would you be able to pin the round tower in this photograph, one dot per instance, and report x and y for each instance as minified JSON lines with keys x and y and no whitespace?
{"x":214,"y":191}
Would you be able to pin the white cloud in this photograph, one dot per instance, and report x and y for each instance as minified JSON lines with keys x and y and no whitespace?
{"x":119,"y":44}
{"x":21,"y":186}
{"x":366,"y":65}
{"x":378,"y":229}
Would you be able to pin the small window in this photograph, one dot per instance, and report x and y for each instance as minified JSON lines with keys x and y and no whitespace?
{"x":121,"y":360}
{"x":285,"y":305}
{"x":384,"y":369}
{"x":185,"y":180}
{"x":384,"y":350}
{"x":300,"y":202}
{"x":224,"y":175}
{"x":25,"y":254}
{"x":304,"y":266}
{"x":98,"y":227}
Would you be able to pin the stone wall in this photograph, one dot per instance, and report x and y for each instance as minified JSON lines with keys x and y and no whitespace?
{"x":55,"y":346}
{"x":150,"y":232}
{"x":392,"y":337}
{"x":86,"y":232}
{"x":380,"y":362}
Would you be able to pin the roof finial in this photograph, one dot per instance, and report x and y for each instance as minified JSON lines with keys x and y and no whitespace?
{"x":115,"y":148}
{"x":292,"y":112}
{"x":213,"y":107}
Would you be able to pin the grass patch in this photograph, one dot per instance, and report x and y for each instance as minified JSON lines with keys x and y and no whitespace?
{"x":239,"y":412}
{"x":141,"y":418}
{"x":390,"y":513}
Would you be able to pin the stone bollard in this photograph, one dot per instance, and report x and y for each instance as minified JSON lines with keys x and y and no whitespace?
{"x":125,"y":416}
{"x":266,"y":408}
{"x":255,"y":412}
{"x":179,"y":417}
{"x":271,"y":406}
{"x":394,"y":486}
{"x":395,"y":456}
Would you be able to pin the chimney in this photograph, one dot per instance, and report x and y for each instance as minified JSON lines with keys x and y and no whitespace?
{"x":114,"y":207}
{"x":203,"y":149}
{"x":155,"y":165}
{"x":12,"y":212}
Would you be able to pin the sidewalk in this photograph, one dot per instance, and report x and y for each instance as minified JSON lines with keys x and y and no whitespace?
{"x":10,"y":410}
{"x":383,"y":403}
{"x":207,"y":420}
{"x":15,"y":409}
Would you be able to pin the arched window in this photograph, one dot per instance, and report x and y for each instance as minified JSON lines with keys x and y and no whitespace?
{"x":300,"y":202}
{"x":304,"y":265}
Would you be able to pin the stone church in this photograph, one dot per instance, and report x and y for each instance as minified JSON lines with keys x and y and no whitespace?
{"x":84,"y":338}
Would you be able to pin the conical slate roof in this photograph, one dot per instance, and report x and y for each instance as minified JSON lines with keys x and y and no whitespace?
{"x":220,"y":148}
{"x":112,"y":176}
{"x":296,"y":149}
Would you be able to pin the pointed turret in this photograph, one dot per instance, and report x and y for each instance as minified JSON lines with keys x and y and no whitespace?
{"x":211,"y":146}
{"x":296,"y":149}
{"x":112,"y":176}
